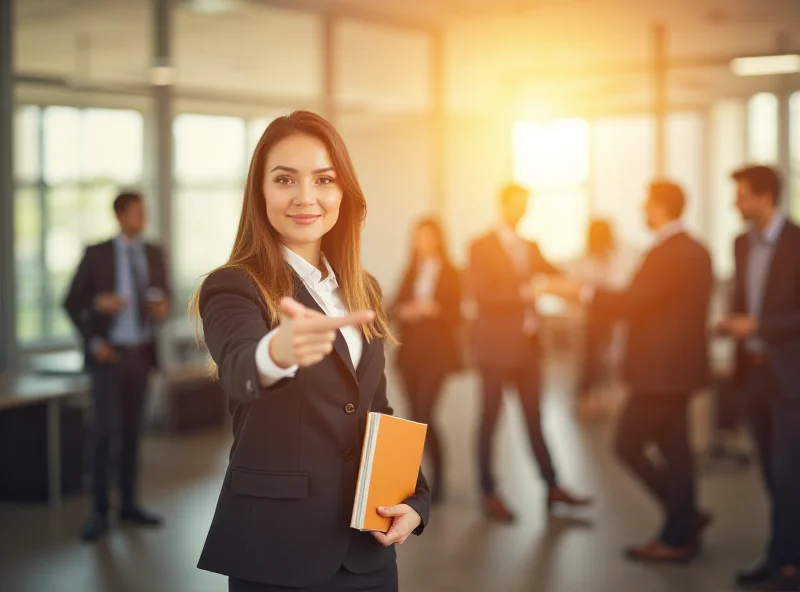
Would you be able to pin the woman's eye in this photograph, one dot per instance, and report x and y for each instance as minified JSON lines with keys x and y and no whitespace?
{"x":283,"y":180}
{"x":325,"y":180}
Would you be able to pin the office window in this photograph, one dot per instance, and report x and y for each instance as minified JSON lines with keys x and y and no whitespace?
{"x":623,"y":165}
{"x":211,"y":159}
{"x":794,"y":131}
{"x":728,"y":150}
{"x":762,"y":128}
{"x":70,"y":165}
{"x":553,"y":160}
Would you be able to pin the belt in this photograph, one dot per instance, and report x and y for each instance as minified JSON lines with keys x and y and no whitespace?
{"x":757,"y":359}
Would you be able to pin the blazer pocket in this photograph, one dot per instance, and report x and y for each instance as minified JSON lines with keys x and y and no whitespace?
{"x":269,"y":485}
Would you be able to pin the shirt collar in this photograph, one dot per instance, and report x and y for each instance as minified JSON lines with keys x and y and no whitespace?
{"x":306,"y":271}
{"x":669,"y":230}
{"x":507,"y":234}
{"x":124,"y":241}
{"x":773,"y":230}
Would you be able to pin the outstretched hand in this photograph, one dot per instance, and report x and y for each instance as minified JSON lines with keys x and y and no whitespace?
{"x":306,"y":336}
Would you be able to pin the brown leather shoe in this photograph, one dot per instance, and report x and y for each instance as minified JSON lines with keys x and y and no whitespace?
{"x":658,"y":552}
{"x":787,"y":581}
{"x":556,"y":495}
{"x":495,"y":509}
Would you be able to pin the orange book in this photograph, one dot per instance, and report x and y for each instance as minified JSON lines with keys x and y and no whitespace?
{"x":390,"y":461}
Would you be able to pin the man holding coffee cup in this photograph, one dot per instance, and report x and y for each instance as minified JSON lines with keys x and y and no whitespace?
{"x":118,"y":295}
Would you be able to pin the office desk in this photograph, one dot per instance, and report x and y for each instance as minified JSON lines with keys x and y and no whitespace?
{"x":19,"y":390}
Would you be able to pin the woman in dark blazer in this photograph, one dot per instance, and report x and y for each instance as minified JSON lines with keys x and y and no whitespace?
{"x":295,"y":328}
{"x":428,"y":307}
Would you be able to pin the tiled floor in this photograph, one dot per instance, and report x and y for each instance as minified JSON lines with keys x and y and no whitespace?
{"x":460,"y":551}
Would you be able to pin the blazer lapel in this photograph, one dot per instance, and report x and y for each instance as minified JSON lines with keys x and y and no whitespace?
{"x":502,"y":255}
{"x":339,"y":344}
{"x":781,"y":251}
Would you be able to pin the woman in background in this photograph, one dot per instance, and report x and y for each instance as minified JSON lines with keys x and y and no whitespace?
{"x":601,"y":267}
{"x":428,"y":307}
{"x":295,"y":327}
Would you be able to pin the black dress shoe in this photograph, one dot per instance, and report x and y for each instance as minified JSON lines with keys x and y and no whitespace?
{"x":760,"y":574}
{"x":94,"y":528}
{"x":139,"y":516}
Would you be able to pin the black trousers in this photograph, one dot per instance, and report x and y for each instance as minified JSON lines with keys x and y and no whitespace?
{"x":528,"y":381}
{"x":118,"y":394}
{"x":597,"y":342}
{"x":775,"y":423}
{"x":344,"y":581}
{"x":663,"y":420}
{"x":423,"y":385}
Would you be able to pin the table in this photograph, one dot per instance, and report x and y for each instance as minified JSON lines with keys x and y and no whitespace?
{"x":18,"y":390}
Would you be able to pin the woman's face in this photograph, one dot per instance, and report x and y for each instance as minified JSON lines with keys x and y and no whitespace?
{"x":427,"y":242}
{"x":302,"y":191}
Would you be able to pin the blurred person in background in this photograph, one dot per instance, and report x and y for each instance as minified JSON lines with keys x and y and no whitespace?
{"x":599,"y":268}
{"x":765,"y":322}
{"x":666,"y":308}
{"x":117,"y":296}
{"x":428,"y":307}
{"x":507,"y":347}
{"x":296,"y":330}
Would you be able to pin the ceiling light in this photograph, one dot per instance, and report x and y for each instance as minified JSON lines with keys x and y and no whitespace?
{"x":766,"y":65}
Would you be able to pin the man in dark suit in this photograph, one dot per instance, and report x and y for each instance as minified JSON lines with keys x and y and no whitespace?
{"x":666,"y":309}
{"x":117,"y":295}
{"x":765,"y":321}
{"x":506,"y":345}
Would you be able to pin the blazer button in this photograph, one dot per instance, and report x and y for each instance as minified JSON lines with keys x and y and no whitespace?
{"x":349,"y":408}
{"x":249,"y":386}
{"x":348,"y":454}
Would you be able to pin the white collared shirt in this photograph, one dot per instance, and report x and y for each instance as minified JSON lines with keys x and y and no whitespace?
{"x":669,"y":230}
{"x":427,"y":279}
{"x":327,"y":294}
{"x":518,"y":251}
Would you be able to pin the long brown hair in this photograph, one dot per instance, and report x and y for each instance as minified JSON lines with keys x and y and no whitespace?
{"x":435,"y":225}
{"x":257,"y":248}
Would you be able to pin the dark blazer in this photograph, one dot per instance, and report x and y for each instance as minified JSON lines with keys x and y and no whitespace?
{"x":433,"y":342}
{"x":779,"y":325}
{"x":97,"y":273}
{"x":497,"y":333}
{"x":283,"y":516}
{"x":666,"y":308}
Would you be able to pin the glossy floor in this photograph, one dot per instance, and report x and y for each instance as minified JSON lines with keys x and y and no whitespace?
{"x":460,"y":551}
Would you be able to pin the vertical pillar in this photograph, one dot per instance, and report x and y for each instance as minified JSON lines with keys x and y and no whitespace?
{"x":328,"y":105}
{"x":163,"y":110}
{"x":659,"y":98}
{"x":8,"y":340}
{"x":785,"y":147}
{"x":438,"y":119}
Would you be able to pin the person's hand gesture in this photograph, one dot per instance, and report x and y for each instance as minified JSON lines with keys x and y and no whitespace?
{"x":306,"y":336}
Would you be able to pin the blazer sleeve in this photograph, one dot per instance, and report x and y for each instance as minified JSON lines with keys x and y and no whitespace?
{"x":230,"y":309}
{"x":540,"y":264}
{"x":651,"y":285}
{"x":78,"y":301}
{"x":420,"y":502}
{"x":784,"y":326}
{"x":167,"y":285}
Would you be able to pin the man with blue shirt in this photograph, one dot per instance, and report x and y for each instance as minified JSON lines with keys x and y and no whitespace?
{"x":119,"y":293}
{"x":765,"y":322}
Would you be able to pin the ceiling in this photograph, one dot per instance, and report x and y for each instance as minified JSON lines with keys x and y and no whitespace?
{"x":597,"y":48}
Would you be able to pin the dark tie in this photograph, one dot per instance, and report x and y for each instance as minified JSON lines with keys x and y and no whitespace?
{"x":139,"y":289}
